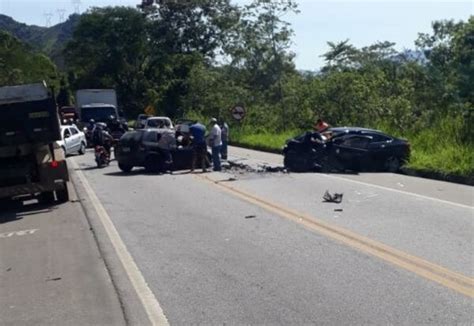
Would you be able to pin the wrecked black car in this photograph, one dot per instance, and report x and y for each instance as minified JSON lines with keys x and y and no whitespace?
{"x":140,"y":148}
{"x":348,"y":148}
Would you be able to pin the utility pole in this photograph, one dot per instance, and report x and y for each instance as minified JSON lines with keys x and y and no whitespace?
{"x":61,"y":13}
{"x":145,"y":4}
{"x":77,"y":6}
{"x":47,"y":18}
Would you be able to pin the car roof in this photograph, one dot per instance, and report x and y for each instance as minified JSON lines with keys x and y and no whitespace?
{"x":97,"y":105}
{"x":68,"y":126}
{"x":158,"y":118}
{"x":353,"y":129}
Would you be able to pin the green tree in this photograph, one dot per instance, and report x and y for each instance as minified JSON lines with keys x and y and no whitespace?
{"x":20,"y":64}
{"x":109,"y":49}
{"x":184,"y":35}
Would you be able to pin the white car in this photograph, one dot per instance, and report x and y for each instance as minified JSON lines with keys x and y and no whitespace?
{"x":158,"y":122}
{"x":72,"y":140}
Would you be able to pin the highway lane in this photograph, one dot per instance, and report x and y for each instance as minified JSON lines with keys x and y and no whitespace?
{"x":206,"y":262}
{"x":51,"y":271}
{"x":443,"y":191}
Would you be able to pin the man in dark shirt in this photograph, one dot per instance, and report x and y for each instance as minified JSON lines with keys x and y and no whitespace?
{"x":198,"y":132}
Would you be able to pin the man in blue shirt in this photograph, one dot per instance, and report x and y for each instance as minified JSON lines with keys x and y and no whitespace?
{"x":198,"y":132}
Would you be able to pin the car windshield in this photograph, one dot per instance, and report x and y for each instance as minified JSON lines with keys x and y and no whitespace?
{"x":155,"y":123}
{"x":100,"y":113}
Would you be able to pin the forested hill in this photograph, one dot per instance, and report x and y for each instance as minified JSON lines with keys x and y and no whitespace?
{"x":50,"y":40}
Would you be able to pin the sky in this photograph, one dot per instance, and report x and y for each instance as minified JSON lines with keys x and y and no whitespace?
{"x":319,"y":21}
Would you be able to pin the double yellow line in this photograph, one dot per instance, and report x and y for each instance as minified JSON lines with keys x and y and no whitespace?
{"x":455,"y":281}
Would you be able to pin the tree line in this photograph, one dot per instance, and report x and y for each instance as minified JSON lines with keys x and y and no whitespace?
{"x":203,"y":57}
{"x":199,"y":58}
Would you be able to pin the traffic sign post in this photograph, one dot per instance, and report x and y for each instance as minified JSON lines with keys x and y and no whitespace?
{"x":238,"y":112}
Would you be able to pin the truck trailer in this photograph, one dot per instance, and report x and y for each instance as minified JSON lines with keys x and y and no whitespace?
{"x":31,"y":162}
{"x":96,"y":104}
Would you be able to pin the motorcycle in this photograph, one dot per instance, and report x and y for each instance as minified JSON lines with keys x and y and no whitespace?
{"x":102,"y":158}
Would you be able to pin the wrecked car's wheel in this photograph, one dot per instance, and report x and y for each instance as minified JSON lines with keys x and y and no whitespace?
{"x":297,"y":162}
{"x":392,"y":164}
{"x":125,"y":167}
{"x":331,"y":165}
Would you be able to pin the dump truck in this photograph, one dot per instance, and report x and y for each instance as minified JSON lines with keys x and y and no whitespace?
{"x":31,"y":162}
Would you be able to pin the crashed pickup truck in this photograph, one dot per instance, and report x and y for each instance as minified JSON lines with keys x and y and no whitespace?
{"x":348,"y":148}
{"x":31,"y":162}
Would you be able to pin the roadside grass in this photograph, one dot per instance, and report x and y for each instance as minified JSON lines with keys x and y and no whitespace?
{"x":434,"y":152}
{"x":264,"y":140}
{"x":433,"y":149}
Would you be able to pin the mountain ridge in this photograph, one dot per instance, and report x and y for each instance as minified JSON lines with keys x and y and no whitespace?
{"x":50,"y":40}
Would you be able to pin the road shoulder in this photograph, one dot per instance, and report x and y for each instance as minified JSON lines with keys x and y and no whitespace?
{"x":52,"y":272}
{"x":132,"y":306}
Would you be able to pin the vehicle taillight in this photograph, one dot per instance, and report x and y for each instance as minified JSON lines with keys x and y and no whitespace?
{"x":54,"y":164}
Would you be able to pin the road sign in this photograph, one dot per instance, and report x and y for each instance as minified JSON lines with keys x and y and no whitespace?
{"x":238,"y":112}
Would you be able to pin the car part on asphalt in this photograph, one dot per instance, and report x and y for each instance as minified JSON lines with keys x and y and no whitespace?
{"x":336,"y":198}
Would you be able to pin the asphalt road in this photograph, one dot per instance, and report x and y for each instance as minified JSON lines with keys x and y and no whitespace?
{"x":262,"y":248}
{"x":51,"y":271}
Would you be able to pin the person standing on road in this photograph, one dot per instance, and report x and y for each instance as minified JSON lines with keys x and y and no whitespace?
{"x":198,"y":132}
{"x":225,"y":139}
{"x":215,"y":141}
{"x":167,"y":142}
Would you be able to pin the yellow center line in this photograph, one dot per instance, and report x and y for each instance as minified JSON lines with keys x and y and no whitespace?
{"x":417,"y":265}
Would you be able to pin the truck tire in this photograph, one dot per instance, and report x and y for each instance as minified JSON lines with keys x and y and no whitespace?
{"x":47,"y":197}
{"x":63,"y":194}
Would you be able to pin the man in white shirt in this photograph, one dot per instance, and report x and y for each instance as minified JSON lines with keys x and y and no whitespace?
{"x":215,"y":141}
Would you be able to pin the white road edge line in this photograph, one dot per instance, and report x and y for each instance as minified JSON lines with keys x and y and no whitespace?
{"x":399,"y":191}
{"x":150,"y":303}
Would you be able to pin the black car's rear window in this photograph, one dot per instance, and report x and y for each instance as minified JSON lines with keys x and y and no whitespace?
{"x":379,"y":138}
{"x":361,"y":142}
{"x":131,"y":137}
{"x":150,"y":136}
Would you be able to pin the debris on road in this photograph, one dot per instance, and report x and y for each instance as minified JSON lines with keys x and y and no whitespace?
{"x":336,"y":198}
{"x":246,"y":166}
{"x":250,"y":216}
{"x":272,"y":168}
{"x":230,"y":179}
{"x":54,"y":279}
{"x":338,"y":209}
